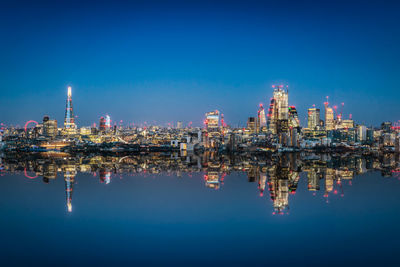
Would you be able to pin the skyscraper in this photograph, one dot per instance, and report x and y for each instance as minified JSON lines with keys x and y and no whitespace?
{"x":212,"y":121}
{"x":262,"y":121}
{"x":313,"y":118}
{"x":329,"y":119}
{"x":386,"y":126}
{"x":252,"y":125}
{"x":108,"y":122}
{"x":293,"y":118}
{"x":69,"y":121}
{"x":49,"y":127}
{"x":329,"y":116}
{"x":271,"y":120}
{"x":362,"y":133}
{"x":278,"y":111}
{"x":102,"y":124}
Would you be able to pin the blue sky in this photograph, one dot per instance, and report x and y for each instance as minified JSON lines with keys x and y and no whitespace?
{"x":166,"y":61}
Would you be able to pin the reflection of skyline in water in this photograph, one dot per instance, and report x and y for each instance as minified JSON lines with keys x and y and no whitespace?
{"x":276,"y":178}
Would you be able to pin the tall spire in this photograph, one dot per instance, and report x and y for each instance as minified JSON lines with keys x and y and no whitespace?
{"x":69,"y":121}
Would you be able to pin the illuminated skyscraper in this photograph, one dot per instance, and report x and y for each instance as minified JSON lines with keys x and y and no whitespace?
{"x":212,"y":122}
{"x":329,"y":119}
{"x":251,"y":125}
{"x":329,"y":116}
{"x":262,"y":121}
{"x":293,"y":118}
{"x":102,"y":124}
{"x":108,"y":122}
{"x":313,"y":118}
{"x":386,"y":126}
{"x":49,"y":127}
{"x":271,"y":120}
{"x":69,"y":122}
{"x":278,"y":112}
{"x":282,"y":98}
{"x":362,"y":133}
{"x":345,"y":124}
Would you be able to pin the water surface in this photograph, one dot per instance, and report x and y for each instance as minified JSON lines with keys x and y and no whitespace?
{"x":197,"y":212}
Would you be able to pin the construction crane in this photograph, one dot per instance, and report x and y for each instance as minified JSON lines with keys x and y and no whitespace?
{"x":341,"y":110}
{"x":326,"y":103}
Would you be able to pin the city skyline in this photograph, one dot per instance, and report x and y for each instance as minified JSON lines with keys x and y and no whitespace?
{"x":333,"y":110}
{"x":173,"y":62}
{"x":199,"y":132}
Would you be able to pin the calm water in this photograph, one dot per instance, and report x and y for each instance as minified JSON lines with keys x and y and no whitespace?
{"x":197,"y":212}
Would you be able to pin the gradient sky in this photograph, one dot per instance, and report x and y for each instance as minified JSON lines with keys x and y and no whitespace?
{"x":173,"y":60}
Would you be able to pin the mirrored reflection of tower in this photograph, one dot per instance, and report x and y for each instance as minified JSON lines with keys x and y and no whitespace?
{"x":262,"y":182}
{"x":69,"y":121}
{"x":69,"y":177}
{"x":279,"y":188}
{"x":294,"y":178}
{"x":105,"y":176}
{"x":329,"y":180}
{"x":313,"y":180}
{"x":212,"y":176}
{"x":253,"y":173}
{"x":49,"y":171}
